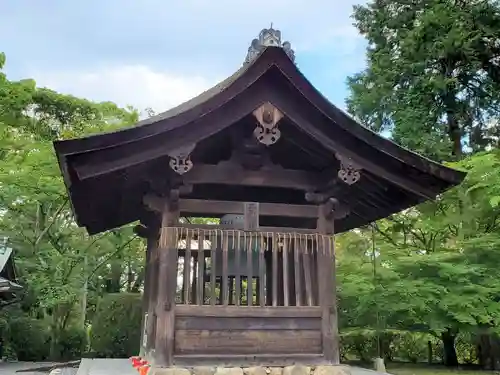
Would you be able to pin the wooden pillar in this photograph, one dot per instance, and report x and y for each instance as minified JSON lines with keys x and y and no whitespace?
{"x":327,"y":286}
{"x":167,"y":285}
{"x":150,"y":233}
{"x":145,"y":336}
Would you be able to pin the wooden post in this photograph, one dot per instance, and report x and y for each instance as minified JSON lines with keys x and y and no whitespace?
{"x":327,"y":286}
{"x":167,"y":285}
{"x":151,"y":288}
{"x":145,"y":298}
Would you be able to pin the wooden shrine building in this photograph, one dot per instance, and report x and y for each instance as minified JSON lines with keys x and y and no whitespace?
{"x":283,"y":169}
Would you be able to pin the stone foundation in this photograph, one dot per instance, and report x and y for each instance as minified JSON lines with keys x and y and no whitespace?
{"x":288,"y":370}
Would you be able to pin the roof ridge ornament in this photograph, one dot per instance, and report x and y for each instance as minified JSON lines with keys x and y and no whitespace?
{"x":268,"y":38}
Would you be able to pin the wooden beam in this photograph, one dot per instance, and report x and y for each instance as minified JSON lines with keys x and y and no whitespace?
{"x":232,"y":174}
{"x":327,"y":287}
{"x":249,"y":311}
{"x":213,"y":207}
{"x":167,"y":285}
{"x":264,"y":230}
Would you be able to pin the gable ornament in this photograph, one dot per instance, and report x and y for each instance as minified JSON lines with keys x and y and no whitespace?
{"x":349,"y":171}
{"x":180,"y":159}
{"x":267,"y":131}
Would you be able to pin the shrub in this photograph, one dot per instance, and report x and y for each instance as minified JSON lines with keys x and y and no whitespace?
{"x":411,"y":346}
{"x":28,"y":338}
{"x":72,"y":343}
{"x":358,"y":345}
{"x":116,"y":328}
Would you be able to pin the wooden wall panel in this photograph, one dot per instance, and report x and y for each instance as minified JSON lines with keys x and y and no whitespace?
{"x":211,"y":330}
{"x":251,"y":324}
{"x":247,"y":342}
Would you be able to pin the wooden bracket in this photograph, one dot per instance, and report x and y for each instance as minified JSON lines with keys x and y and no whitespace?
{"x":335,"y":210}
{"x":153,"y":202}
{"x":158,"y":203}
{"x":173,"y":200}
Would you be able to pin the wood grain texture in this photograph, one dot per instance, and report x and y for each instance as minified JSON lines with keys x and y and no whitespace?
{"x":247,"y":341}
{"x":248,"y":360}
{"x":249,"y":324}
{"x":249,"y":311}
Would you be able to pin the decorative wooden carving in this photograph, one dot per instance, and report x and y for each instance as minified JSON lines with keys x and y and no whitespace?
{"x":267,"y":131}
{"x":180,"y":160}
{"x":349,"y":171}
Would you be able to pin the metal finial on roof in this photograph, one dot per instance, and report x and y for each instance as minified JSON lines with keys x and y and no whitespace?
{"x":268,"y":38}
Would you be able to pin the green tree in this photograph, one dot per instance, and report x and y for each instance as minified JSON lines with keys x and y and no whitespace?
{"x":61,"y":265}
{"x":432,"y":75}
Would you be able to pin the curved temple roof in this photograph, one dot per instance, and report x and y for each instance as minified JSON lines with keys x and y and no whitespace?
{"x":105,"y":173}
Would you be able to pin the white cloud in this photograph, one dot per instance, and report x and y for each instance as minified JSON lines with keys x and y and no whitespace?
{"x":158,"y":54}
{"x":136,"y":85}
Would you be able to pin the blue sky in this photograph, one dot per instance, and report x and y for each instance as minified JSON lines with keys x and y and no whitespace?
{"x":158,"y":53}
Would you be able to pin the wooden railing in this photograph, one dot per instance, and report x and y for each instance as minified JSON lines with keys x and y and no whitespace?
{"x":233,"y":267}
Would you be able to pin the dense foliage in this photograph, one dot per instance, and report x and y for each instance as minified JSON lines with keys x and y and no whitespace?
{"x":64,"y":270}
{"x":419,"y":286}
{"x":112,"y":335}
{"x":433,"y":75}
{"x":432,"y":84}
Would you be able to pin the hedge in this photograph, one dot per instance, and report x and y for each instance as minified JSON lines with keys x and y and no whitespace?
{"x":116,"y":328}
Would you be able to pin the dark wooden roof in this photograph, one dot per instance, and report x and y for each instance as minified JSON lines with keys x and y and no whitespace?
{"x":7,"y":274}
{"x":107,"y":174}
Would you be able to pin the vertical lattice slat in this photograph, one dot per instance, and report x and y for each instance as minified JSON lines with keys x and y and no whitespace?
{"x":297,"y":265}
{"x":187,"y":269}
{"x":224,"y":283}
{"x":274,"y":249}
{"x":200,"y":295}
{"x":237,"y":268}
{"x":314,"y":271}
{"x":250,"y":271}
{"x":285,"y":271}
{"x":306,"y":256}
{"x":213,"y":257}
{"x":262,"y":276}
